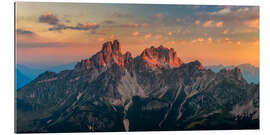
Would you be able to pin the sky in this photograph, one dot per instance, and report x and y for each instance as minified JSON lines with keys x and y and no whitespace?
{"x":50,"y":34}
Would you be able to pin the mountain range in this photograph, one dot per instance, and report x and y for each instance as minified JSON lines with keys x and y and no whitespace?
{"x":25,"y":74}
{"x":249,"y":72}
{"x":21,"y":79}
{"x":155,"y":91}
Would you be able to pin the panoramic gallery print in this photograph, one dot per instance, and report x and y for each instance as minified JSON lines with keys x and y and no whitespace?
{"x":84,"y":67}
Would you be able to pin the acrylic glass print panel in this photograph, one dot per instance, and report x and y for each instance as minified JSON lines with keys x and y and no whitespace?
{"x":83,"y":67}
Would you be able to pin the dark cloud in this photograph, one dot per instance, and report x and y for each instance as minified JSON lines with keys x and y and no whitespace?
{"x":56,"y":26}
{"x":109,"y":22}
{"x":42,"y":45}
{"x":86,"y":26}
{"x":97,"y":33}
{"x":67,"y":21}
{"x":48,"y":18}
{"x":24,"y":32}
{"x":67,"y":18}
{"x":134,"y":25}
{"x":80,"y":26}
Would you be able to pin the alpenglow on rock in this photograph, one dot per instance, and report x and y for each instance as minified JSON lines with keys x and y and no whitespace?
{"x":160,"y":57}
{"x":110,"y":54}
{"x":155,"y":91}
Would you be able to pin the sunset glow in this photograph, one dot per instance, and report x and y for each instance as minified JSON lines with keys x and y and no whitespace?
{"x":60,"y":33}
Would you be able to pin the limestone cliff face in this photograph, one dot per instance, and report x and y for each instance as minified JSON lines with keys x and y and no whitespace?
{"x":110,"y":54}
{"x":151,"y":57}
{"x":160,"y":57}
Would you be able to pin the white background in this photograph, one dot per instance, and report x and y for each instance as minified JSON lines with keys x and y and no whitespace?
{"x":7,"y":64}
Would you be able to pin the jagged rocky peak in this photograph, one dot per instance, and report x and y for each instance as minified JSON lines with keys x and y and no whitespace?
{"x":127,"y":55}
{"x":111,"y":47}
{"x":116,"y":46}
{"x":110,"y":54}
{"x":107,"y":47}
{"x":198,"y":64}
{"x":153,"y":57}
{"x":160,"y":57}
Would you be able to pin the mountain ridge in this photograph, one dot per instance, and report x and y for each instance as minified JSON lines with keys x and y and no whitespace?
{"x":32,"y":73}
{"x":250,"y":72}
{"x":111,"y":91}
{"x":151,"y":57}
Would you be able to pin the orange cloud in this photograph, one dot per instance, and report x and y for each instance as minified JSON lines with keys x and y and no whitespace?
{"x":135,"y":33}
{"x":219,"y":24}
{"x":211,"y":23}
{"x":223,"y":11}
{"x":147,"y":36}
{"x":208,"y":24}
{"x":197,"y":22}
{"x":210,"y":40}
{"x":225,"y":32}
{"x":198,"y":40}
{"x":100,"y":39}
{"x":252,"y":23}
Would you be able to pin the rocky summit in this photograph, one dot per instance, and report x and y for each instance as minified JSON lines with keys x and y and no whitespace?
{"x":110,"y":54}
{"x":154,"y":91}
{"x":160,"y":57}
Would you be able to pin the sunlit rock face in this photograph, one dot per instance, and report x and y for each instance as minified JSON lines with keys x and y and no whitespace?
{"x":110,"y":54}
{"x":160,"y":57}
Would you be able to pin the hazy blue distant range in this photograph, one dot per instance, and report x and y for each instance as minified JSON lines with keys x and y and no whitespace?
{"x":250,"y":72}
{"x":25,"y":74}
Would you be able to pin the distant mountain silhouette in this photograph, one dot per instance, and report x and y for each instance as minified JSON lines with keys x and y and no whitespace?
{"x":250,"y":72}
{"x":27,"y":74}
{"x":31,"y":73}
{"x":60,"y":68}
{"x":21,"y":79}
{"x":155,"y":91}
